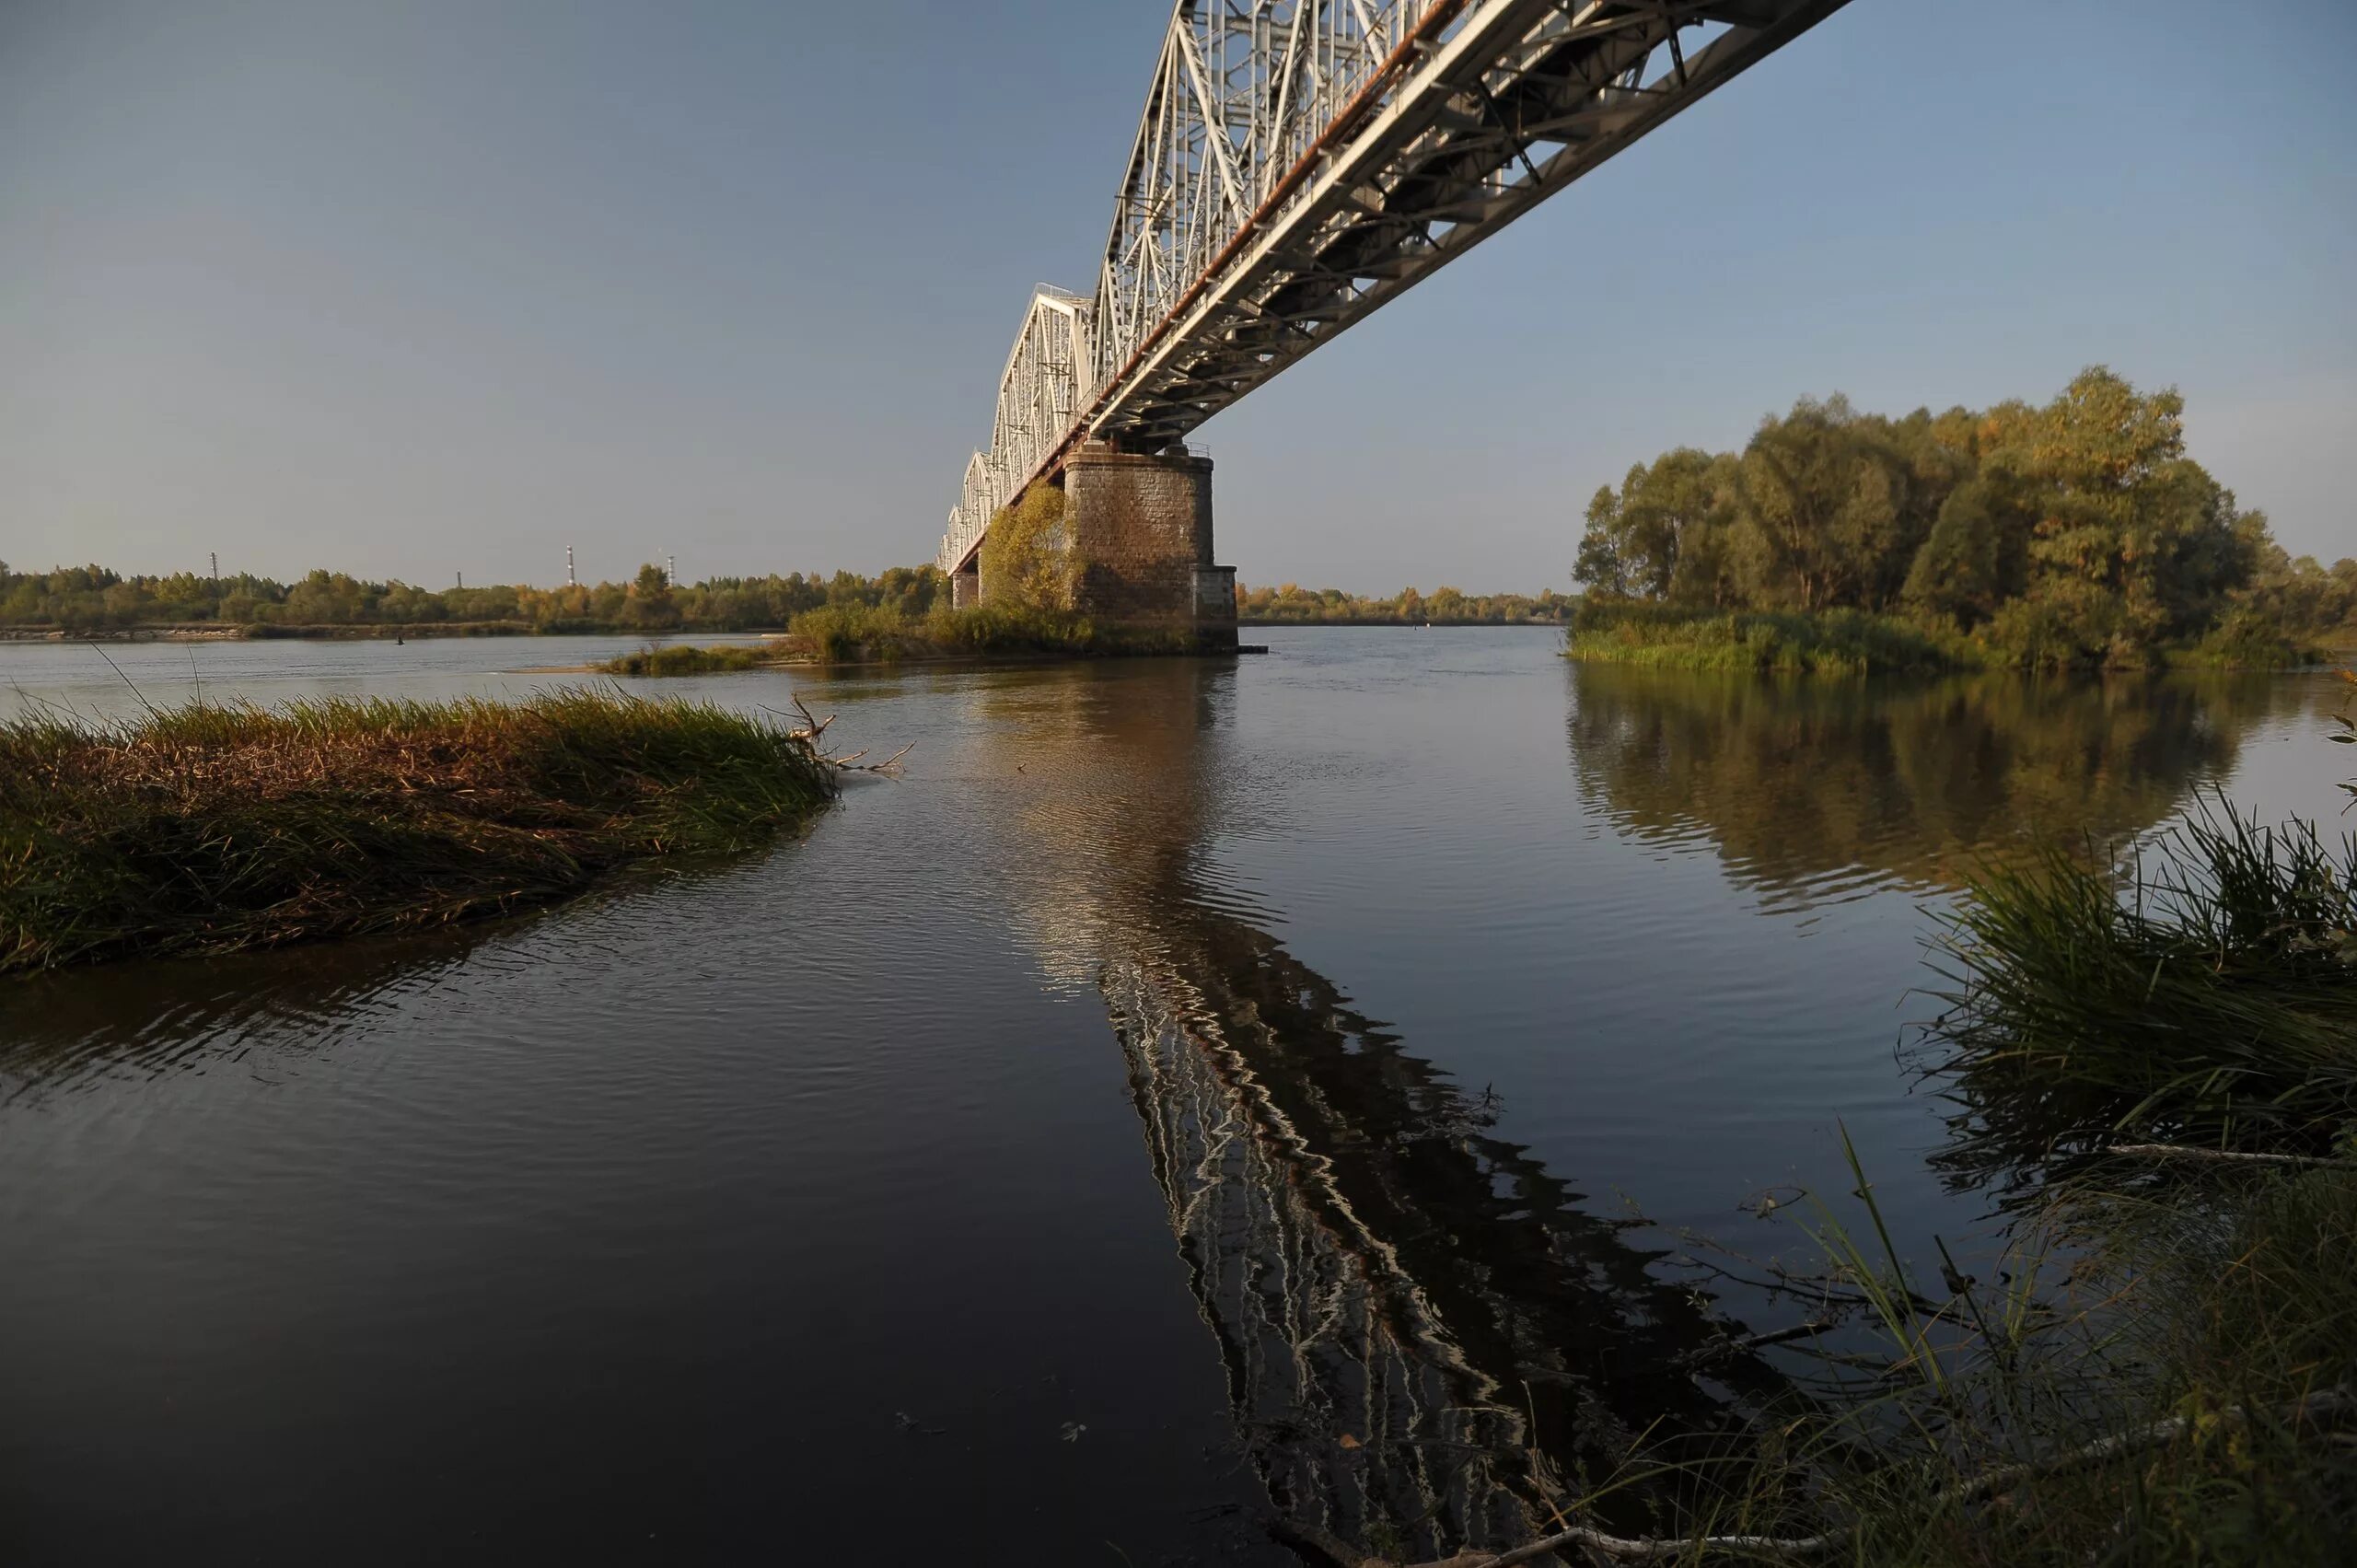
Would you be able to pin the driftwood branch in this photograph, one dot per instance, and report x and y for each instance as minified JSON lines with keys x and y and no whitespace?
{"x":1721,"y":1349}
{"x":814,"y":727}
{"x":2191,"y":1152}
{"x":2330,"y":1404}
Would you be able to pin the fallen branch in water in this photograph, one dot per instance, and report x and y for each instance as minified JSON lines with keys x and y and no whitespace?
{"x":2323,"y":1405}
{"x":2191,"y":1152}
{"x":1726,"y":1348}
{"x":814,"y":727}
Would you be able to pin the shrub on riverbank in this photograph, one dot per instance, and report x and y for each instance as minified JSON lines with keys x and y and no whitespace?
{"x":206,"y":829}
{"x":856,"y":635}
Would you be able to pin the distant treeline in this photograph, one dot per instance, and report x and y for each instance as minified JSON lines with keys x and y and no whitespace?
{"x":2075,"y":533}
{"x":94,"y":598}
{"x":1291,"y":604}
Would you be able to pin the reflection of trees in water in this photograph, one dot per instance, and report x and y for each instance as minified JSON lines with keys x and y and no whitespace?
{"x":1795,"y":780}
{"x":1398,"y":1294}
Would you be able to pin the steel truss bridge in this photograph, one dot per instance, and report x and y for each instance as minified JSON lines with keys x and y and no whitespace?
{"x":1302,"y":162}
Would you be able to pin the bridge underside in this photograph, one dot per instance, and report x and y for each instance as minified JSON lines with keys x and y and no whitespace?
{"x":1511,"y":111}
{"x":1302,"y":163}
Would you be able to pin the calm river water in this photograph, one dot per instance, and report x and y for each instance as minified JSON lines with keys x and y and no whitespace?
{"x":1195,"y":1096}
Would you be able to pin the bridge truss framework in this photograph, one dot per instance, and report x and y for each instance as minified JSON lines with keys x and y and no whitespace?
{"x":1300,"y":163}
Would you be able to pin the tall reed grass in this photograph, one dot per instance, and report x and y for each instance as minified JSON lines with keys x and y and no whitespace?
{"x":204,"y":829}
{"x":2204,"y":992}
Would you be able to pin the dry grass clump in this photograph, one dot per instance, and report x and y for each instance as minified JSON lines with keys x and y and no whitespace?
{"x":206,"y":829}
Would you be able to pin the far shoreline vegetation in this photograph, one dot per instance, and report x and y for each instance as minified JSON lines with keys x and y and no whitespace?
{"x":2073,"y":535}
{"x":89,"y":601}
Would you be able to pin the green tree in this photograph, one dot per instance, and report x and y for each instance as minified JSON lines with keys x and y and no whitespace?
{"x":1026,"y":557}
{"x":1635,"y":540}
{"x":650,"y":604}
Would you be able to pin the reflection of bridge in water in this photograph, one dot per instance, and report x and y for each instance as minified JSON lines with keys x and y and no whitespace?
{"x":1422,"y":1328}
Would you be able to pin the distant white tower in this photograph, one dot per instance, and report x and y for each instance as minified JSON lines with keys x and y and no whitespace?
{"x":569,"y":580}
{"x":670,"y":571}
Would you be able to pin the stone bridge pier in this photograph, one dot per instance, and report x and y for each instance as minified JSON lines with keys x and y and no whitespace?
{"x":1140,"y":524}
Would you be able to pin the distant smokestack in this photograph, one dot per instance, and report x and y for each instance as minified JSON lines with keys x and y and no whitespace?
{"x":568,"y":566}
{"x":670,"y":571}
{"x":462,"y":579}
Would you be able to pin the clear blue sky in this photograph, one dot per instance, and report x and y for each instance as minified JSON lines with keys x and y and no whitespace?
{"x":438,"y":287}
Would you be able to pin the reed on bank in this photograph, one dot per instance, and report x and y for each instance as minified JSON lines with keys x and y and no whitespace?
{"x":2205,"y":993}
{"x":206,"y":828}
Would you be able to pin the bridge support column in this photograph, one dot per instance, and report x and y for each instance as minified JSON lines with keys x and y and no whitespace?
{"x":1140,"y":524}
{"x":966,"y":587}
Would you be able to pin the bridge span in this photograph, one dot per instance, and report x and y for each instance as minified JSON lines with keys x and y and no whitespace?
{"x":1299,"y":164}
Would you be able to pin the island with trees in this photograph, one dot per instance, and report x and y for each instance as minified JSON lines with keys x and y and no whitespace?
{"x":2073,"y":534}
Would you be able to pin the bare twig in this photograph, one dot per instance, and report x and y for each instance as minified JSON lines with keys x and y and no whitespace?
{"x":2191,"y":1151}
{"x":2324,"y":1405}
{"x":814,"y":727}
{"x":1725,"y":1348}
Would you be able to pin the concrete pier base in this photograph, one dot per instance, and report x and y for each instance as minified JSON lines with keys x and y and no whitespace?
{"x":966,"y":587}
{"x":1141,"y":525}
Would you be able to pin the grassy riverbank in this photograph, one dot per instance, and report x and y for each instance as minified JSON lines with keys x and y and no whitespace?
{"x":1840,"y":642}
{"x":1854,"y":641}
{"x":206,"y":829}
{"x":2157,"y":1362}
{"x":2168,"y":1345}
{"x":865,"y":634}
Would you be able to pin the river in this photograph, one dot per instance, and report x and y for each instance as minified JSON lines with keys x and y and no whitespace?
{"x":1194,"y":1095}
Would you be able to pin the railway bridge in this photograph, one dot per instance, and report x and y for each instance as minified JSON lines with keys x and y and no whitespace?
{"x":1299,"y":164}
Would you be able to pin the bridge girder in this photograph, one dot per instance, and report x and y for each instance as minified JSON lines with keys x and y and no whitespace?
{"x":1301,"y":163}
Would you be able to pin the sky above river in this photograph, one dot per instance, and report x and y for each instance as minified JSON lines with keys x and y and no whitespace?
{"x":440,"y":287}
